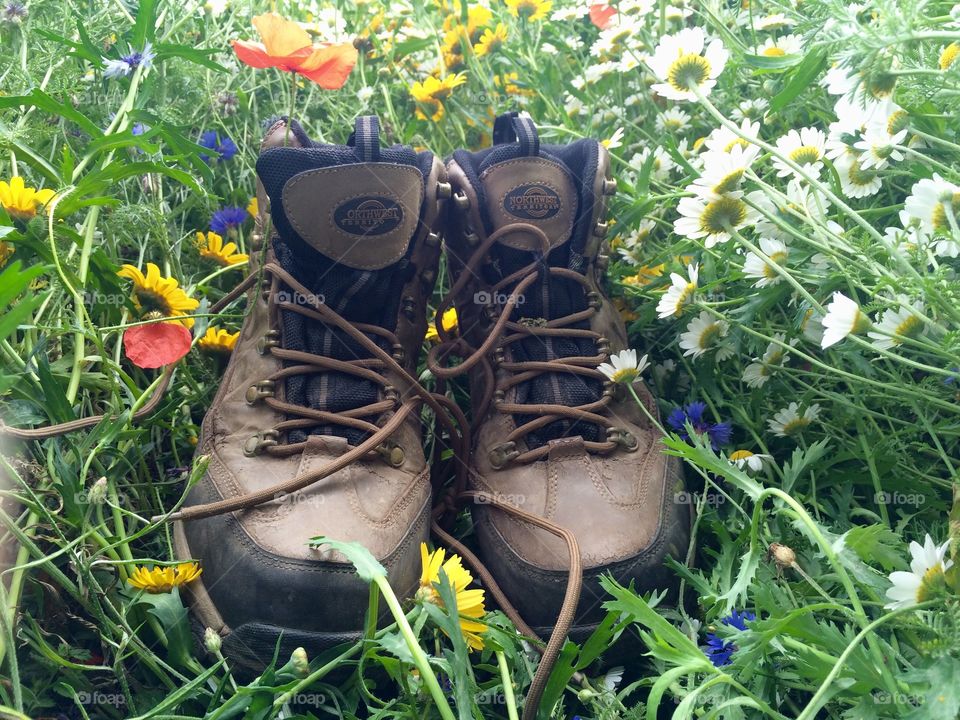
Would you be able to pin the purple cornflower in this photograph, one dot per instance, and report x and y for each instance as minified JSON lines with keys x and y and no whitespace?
{"x":128,"y":63}
{"x":718,"y":650}
{"x":14,"y":12}
{"x":222,"y":146}
{"x":719,"y":433}
{"x":227,"y":219}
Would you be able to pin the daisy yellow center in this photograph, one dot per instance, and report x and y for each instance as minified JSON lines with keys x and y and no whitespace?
{"x":709,"y":335}
{"x":625,"y":375}
{"x":740,"y":455}
{"x":778,"y":258}
{"x":908,"y":327}
{"x":688,"y":70}
{"x":932,"y":582}
{"x":775,"y":357}
{"x":774,"y":51}
{"x":940,"y":220}
{"x":805,"y":155}
{"x":729,"y":182}
{"x":153,"y":301}
{"x":859,"y":176}
{"x":722,"y":214}
{"x":734,"y":143}
{"x":672,"y":124}
{"x":881,"y":85}
{"x":949,"y":54}
{"x":686,"y":295}
{"x":897,"y":122}
{"x":795,"y":425}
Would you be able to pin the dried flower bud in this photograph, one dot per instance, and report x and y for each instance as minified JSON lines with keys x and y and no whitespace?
{"x":300,"y":662}
{"x":98,"y":493}
{"x":782,"y":555}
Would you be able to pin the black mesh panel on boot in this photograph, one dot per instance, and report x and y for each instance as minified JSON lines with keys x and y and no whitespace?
{"x":369,"y":297}
{"x":554,"y":299}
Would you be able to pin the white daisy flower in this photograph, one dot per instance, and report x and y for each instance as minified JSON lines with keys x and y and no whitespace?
{"x":672,"y":120}
{"x":751,"y":109}
{"x":933,"y":201}
{"x":722,"y":139}
{"x":679,"y":294}
{"x":723,"y":171}
{"x":636,"y":237}
{"x":611,"y":681}
{"x":857,"y":180}
{"x":778,"y":47}
{"x":843,"y":318}
{"x":805,"y":147}
{"x":927,"y":567}
{"x":713,"y":220}
{"x":662,"y":163}
{"x":677,"y":13}
{"x":682,"y":62}
{"x":789,"y":421}
{"x":615,"y":140}
{"x":775,"y":21}
{"x":573,"y":106}
{"x":812,"y":326}
{"x":811,"y":205}
{"x":840,"y":81}
{"x":702,"y":335}
{"x":624,"y":366}
{"x":756,"y":374}
{"x":880,"y":149}
{"x":896,"y":324}
{"x":759,"y":269}
{"x":364,"y":94}
{"x":749,"y":460}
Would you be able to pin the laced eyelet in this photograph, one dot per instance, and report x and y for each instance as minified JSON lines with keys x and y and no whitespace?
{"x":398,"y":353}
{"x":623,"y":437}
{"x":256,"y":444}
{"x":498,"y":397}
{"x":259,"y":390}
{"x":391,"y":453}
{"x":593,"y":299}
{"x":270,"y":339}
{"x":444,"y":190}
{"x":609,"y":389}
{"x":472,"y":238}
{"x":502,"y":454}
{"x":390,"y":393}
{"x":603,"y":346}
{"x":499,"y":355}
{"x":600,"y":229}
{"x":609,"y":187}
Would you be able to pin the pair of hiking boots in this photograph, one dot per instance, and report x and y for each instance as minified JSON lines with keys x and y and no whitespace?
{"x":317,"y":426}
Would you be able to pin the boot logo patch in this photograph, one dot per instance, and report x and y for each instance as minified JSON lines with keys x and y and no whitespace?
{"x":368,"y":215}
{"x":532,"y":202}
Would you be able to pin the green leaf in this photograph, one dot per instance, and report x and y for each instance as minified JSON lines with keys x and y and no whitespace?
{"x":145,"y":26}
{"x":941,"y":701}
{"x":168,"y":608}
{"x":365,"y":563}
{"x":877,"y":544}
{"x":563,"y":670}
{"x":394,"y":644}
{"x":800,"y":461}
{"x":198,"y":56}
{"x":765,"y":62}
{"x":800,"y":78}
{"x":40,"y":100}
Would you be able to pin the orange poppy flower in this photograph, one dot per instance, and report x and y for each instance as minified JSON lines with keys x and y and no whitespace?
{"x":287,"y":46}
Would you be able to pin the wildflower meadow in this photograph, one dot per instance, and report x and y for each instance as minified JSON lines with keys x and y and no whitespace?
{"x":784,"y":246}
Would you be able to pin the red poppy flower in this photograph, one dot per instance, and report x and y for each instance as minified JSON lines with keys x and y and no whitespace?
{"x":287,"y":46}
{"x":601,"y":14}
{"x":157,"y":344}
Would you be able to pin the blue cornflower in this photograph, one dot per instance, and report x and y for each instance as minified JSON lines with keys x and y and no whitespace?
{"x":718,"y":650}
{"x":139,"y":128}
{"x":130,"y":62}
{"x":223,"y":146}
{"x":227,"y":219}
{"x":719,"y":433}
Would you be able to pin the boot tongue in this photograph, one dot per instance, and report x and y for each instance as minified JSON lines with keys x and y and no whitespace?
{"x":531,"y":190}
{"x":344,"y":225}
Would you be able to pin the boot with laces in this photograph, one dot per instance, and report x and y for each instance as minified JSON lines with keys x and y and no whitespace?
{"x":525,"y":243}
{"x":315,"y":429}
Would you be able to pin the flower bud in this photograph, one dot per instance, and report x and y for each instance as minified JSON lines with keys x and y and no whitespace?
{"x":782,"y":555}
{"x":300,"y":662}
{"x":98,"y":493}
{"x":212,"y":641}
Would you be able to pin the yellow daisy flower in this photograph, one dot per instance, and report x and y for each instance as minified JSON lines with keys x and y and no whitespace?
{"x":152,"y":292}
{"x":949,"y":55}
{"x":449,"y":322}
{"x":164,"y":579}
{"x":431,"y":93}
{"x":645,"y":275}
{"x":211,"y":247}
{"x":20,"y":201}
{"x":218,"y":340}
{"x":253,"y":208}
{"x":6,"y":250}
{"x":469,"y":602}
{"x":531,"y":10}
{"x":491,"y":40}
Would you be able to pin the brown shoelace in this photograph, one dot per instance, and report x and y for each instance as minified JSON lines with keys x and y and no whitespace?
{"x":490,"y":355}
{"x":446,"y":411}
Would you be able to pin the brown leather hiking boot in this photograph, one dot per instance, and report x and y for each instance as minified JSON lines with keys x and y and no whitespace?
{"x":525,"y":243}
{"x":315,"y":428}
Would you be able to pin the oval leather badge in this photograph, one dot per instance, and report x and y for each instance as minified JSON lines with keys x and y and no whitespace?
{"x":368,"y":215}
{"x":532,"y":202}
